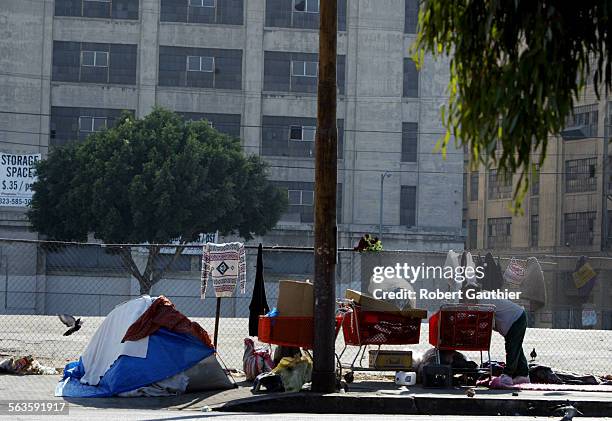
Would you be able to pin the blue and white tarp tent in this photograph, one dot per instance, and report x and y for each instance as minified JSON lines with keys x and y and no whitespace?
{"x":109,"y":367}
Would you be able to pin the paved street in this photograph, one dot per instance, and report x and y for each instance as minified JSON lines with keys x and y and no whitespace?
{"x":193,"y":406}
{"x":585,"y":351}
{"x":138,"y":414}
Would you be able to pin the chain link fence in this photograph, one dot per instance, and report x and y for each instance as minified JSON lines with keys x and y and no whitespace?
{"x":39,"y":280}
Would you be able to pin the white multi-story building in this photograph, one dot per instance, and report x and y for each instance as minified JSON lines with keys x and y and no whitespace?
{"x":69,"y":67}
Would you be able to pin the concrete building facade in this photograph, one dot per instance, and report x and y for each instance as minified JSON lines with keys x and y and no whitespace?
{"x":562,"y":220}
{"x":70,"y":67}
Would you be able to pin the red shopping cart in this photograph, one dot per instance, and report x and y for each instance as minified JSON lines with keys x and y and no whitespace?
{"x":289,"y":331}
{"x":362,"y":328}
{"x":294,"y":332}
{"x":463,"y":327}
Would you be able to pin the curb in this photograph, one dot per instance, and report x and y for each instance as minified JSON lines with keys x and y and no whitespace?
{"x":314,"y":403}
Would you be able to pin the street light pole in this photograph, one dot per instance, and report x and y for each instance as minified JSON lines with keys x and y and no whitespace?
{"x":382,"y":189}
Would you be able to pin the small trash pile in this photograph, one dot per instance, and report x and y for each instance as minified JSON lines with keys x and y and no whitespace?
{"x":289,"y":371}
{"x":25,"y":365}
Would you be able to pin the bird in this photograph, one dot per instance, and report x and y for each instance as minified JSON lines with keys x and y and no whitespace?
{"x":568,"y":412}
{"x":533,"y":354}
{"x":71,"y":322}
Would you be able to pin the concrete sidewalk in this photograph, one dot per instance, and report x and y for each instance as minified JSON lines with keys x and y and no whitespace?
{"x":364,"y":397}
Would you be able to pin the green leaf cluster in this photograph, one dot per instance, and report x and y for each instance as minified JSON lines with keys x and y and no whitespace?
{"x":516,"y":68}
{"x":153,"y":180}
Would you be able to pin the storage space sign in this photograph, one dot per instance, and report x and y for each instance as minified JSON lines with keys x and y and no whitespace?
{"x":17,"y":173}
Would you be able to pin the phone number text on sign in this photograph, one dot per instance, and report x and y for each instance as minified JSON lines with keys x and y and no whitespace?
{"x":17,"y":174}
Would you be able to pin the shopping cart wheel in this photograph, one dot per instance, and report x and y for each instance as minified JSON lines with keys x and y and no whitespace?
{"x":349,"y":377}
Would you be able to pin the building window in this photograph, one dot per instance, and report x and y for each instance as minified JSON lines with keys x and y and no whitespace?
{"x":200,"y":67}
{"x":301,"y":201}
{"x":582,"y":123}
{"x":408,"y":206}
{"x":114,"y":9}
{"x":293,"y":136}
{"x":609,"y":229}
{"x":225,"y":12}
{"x":94,"y":58}
{"x":91,"y":124}
{"x":200,"y":64}
{"x":411,"y":16}
{"x":94,"y":62}
{"x":499,"y":233}
{"x":302,"y":14}
{"x":300,"y":197}
{"x":473,"y":234}
{"x":500,"y":186}
{"x":302,"y":133}
{"x":296,"y":72}
{"x":474,"y":176}
{"x":580,"y":175}
{"x":304,"y":68}
{"x":307,"y":6}
{"x":534,"y":230}
{"x":411,"y":79}
{"x":71,"y":124}
{"x":202,"y":3}
{"x":609,"y":171}
{"x":228,"y":124}
{"x":579,"y":228}
{"x":535,"y":180}
{"x":409,"y":142}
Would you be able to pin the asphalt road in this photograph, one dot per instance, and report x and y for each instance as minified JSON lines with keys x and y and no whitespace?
{"x":138,"y":414}
{"x":584,"y":351}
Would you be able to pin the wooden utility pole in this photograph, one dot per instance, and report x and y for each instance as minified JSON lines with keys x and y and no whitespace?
{"x":326,"y":150}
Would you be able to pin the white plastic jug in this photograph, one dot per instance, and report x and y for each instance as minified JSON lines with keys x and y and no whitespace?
{"x":405,"y":378}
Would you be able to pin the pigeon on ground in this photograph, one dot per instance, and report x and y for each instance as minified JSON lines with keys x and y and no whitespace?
{"x":533,"y":354}
{"x":71,"y":322}
{"x":568,"y":412}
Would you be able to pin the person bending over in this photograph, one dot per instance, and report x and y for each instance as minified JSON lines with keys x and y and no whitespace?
{"x":511,"y":323}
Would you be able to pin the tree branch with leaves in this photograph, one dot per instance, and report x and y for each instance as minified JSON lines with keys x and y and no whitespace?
{"x":153,"y":180}
{"x":516,"y":68}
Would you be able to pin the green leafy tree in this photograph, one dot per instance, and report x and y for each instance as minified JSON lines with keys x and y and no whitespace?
{"x":516,"y":68}
{"x":153,"y":180}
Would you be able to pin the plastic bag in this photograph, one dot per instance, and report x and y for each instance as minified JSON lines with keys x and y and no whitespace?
{"x":255,"y":361}
{"x":294,"y":372}
{"x":516,"y":271}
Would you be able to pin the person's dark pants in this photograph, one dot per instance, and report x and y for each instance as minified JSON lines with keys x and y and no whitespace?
{"x":516,"y":363}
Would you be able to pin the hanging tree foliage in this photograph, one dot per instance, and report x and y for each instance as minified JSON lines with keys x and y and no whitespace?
{"x":516,"y":68}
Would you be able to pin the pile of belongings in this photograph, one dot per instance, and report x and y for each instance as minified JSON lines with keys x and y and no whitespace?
{"x":24,"y":365}
{"x":289,"y":375}
{"x":467,"y":369}
{"x":144,"y":347}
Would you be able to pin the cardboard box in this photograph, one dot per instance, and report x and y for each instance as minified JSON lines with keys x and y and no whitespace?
{"x":391,"y":360}
{"x":369,"y":303}
{"x":295,"y":299}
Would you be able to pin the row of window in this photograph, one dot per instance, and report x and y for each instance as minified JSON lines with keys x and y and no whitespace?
{"x":281,"y":136}
{"x":578,"y":230}
{"x":580,"y":176}
{"x":279,"y":13}
{"x":199,"y":67}
{"x":300,"y":197}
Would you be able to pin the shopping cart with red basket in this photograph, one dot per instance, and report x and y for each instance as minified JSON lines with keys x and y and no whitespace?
{"x":295,"y":332}
{"x":463,"y":327}
{"x":289,"y":331}
{"x":362,"y":328}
